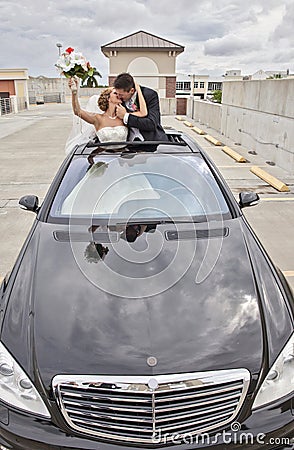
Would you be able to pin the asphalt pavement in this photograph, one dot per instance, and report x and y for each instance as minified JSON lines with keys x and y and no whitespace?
{"x":32,"y":148}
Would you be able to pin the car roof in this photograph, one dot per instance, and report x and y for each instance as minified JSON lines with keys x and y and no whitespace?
{"x":178,"y":142}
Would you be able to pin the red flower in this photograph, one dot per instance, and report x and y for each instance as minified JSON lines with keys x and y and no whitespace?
{"x":69,"y":50}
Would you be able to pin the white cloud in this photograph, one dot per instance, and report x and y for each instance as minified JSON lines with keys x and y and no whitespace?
{"x":217,"y":34}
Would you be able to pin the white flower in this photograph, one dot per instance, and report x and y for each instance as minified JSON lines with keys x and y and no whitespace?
{"x":72,"y":63}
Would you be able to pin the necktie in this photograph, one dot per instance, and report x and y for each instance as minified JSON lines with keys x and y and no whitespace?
{"x":131,"y":105}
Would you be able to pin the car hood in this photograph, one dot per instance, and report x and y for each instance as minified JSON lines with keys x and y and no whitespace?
{"x":83,"y":316}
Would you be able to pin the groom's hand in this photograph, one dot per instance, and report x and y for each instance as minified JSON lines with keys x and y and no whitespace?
{"x":120,"y":111}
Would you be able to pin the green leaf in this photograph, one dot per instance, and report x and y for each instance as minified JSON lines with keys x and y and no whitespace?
{"x":98,"y":74}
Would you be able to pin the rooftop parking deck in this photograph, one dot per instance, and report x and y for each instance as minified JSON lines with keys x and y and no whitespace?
{"x":32,"y":148}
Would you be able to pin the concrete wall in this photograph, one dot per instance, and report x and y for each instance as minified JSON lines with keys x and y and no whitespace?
{"x":168,"y":106}
{"x":205,"y":112}
{"x":258,"y":114}
{"x":269,"y":96}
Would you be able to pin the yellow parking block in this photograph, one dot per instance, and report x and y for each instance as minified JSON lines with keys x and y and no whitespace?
{"x":198,"y":130}
{"x":288,"y":273}
{"x":277,"y":184}
{"x":188,"y":124}
{"x":229,"y":151}
{"x":179,"y":118}
{"x":212,"y":140}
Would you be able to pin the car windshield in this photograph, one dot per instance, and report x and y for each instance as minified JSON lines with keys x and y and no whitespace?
{"x":139,"y":186}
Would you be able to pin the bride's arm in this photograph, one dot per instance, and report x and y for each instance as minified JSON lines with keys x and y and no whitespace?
{"x":143,"y":112}
{"x":78,"y":111}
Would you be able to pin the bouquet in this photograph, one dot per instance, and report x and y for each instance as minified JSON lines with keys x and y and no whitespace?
{"x":71,"y":63}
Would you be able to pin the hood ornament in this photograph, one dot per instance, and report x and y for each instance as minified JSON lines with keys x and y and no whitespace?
{"x":153,"y":384}
{"x":151,"y":361}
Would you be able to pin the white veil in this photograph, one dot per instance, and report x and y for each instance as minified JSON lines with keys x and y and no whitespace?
{"x":82,"y":131}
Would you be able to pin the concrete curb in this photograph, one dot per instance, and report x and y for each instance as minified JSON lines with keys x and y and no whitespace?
{"x":277,"y":184}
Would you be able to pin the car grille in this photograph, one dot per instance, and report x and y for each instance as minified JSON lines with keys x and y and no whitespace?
{"x":150,"y":410}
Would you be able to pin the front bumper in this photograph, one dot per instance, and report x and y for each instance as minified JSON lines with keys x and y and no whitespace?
{"x":267,"y":428}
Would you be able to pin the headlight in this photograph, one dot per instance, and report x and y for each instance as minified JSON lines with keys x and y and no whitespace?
{"x":280,"y":379}
{"x":16,"y":389}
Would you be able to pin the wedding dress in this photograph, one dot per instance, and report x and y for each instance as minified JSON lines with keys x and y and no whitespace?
{"x":118,"y":133}
{"x":82,"y":132}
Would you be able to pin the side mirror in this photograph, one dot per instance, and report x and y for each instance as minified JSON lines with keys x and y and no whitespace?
{"x":30,"y":203}
{"x":248,"y":199}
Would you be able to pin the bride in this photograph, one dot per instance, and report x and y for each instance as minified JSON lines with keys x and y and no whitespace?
{"x":95,"y":194}
{"x":105,"y":124}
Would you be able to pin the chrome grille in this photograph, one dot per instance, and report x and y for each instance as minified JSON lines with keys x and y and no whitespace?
{"x":124,"y":408}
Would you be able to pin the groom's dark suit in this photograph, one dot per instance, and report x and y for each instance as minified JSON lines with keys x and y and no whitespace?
{"x":149,"y":126}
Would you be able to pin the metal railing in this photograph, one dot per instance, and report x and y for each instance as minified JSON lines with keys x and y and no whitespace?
{"x":12,"y":105}
{"x":52,"y":97}
{"x":5,"y":106}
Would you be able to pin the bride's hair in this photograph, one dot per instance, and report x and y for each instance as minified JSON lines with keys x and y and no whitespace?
{"x":103,"y":100}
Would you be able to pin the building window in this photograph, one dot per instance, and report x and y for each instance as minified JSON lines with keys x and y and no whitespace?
{"x":201,"y":84}
{"x":196,"y":84}
{"x":183,"y":85}
{"x":214,"y":86}
{"x":180,"y":85}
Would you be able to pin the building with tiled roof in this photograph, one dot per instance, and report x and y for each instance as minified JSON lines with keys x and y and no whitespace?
{"x":149,"y":58}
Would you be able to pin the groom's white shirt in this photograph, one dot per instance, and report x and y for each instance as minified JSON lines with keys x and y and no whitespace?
{"x":134,"y":132}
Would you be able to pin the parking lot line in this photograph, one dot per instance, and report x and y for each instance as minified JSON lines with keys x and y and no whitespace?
{"x":277,"y":199}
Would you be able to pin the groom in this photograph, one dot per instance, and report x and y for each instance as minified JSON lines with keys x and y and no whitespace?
{"x":140,"y":128}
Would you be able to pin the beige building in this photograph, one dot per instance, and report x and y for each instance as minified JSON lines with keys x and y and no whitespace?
{"x":149,"y":58}
{"x":13,"y":90}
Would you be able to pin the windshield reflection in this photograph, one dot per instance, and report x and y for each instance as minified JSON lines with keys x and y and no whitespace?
{"x":131,"y":187}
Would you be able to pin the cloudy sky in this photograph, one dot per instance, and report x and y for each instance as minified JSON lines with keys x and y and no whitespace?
{"x":218,"y":35}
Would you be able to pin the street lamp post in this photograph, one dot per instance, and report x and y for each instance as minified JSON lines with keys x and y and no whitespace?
{"x":59,"y":46}
{"x":192,"y":93}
